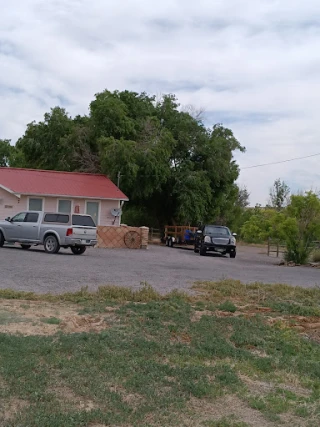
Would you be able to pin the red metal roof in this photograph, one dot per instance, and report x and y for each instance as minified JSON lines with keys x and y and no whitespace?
{"x":53,"y":183}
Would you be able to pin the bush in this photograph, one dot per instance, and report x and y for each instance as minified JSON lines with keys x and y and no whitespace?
{"x":316,"y":256}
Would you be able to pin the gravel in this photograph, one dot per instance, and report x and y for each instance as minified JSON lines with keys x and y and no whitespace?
{"x":162,"y":267}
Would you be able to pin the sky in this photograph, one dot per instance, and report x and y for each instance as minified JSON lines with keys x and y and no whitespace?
{"x":253,"y":66}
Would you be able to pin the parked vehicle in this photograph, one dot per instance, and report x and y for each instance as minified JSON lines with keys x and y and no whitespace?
{"x":179,"y":235}
{"x":215,"y":238}
{"x":52,"y":230}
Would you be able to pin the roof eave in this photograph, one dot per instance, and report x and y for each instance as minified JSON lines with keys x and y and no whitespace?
{"x":8,"y":190}
{"x":125,"y":199}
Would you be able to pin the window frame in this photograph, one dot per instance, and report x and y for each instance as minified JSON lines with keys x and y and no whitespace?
{"x":36,"y":198}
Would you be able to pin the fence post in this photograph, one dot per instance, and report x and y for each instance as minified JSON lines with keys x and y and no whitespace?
{"x":268,"y":246}
{"x":278,"y":244}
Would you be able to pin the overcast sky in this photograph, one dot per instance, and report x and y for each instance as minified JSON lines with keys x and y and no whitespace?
{"x":252,"y":65}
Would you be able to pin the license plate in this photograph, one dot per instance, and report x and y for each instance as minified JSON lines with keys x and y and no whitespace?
{"x":219,"y":250}
{"x":86,"y":241}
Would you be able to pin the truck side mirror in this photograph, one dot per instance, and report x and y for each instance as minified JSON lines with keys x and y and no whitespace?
{"x":199,"y":232}
{"x":8,"y":219}
{"x":234,"y":234}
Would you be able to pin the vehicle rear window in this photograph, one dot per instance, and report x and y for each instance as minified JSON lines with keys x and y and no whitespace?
{"x":85,"y":221}
{"x":62,"y":219}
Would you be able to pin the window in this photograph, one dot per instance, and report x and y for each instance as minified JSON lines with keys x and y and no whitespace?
{"x":216,"y":230}
{"x":64,"y":206}
{"x":35,"y":204}
{"x":19,"y":217}
{"x":62,"y":219}
{"x":92,"y":209}
{"x":31,"y":217}
{"x":83,"y":220}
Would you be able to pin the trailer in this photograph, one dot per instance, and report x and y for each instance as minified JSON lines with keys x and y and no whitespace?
{"x":179,"y":235}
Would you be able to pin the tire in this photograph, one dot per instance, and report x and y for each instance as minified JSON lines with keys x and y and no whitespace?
{"x":170,"y":243}
{"x":25,"y":247}
{"x":203,"y":251}
{"x":233,"y":254}
{"x":167,"y":241}
{"x":196,"y":250}
{"x":51,"y":244}
{"x":1,"y":239}
{"x":78,"y":250}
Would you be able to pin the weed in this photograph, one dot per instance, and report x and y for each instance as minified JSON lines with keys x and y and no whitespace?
{"x":228,"y":306}
{"x":315,"y":256}
{"x":51,"y":320}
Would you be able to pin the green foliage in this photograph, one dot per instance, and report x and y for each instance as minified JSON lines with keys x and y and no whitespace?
{"x":298,"y":225}
{"x":51,"y":320}
{"x":279,"y":194}
{"x":228,"y":306}
{"x":172,"y":168}
{"x":305,"y":210}
{"x":5,"y":152}
{"x":316,"y":255}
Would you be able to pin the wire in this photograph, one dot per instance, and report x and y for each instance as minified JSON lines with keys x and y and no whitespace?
{"x":282,"y":161}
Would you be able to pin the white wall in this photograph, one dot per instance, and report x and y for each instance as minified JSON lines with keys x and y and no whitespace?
{"x":10,"y":205}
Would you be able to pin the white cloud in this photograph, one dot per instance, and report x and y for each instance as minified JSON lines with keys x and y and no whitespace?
{"x":252,"y":65}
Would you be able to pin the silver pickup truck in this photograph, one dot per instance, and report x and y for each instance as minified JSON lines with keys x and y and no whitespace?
{"x":52,"y":230}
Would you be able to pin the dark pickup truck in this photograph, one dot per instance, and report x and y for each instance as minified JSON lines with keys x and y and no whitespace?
{"x":215,"y":238}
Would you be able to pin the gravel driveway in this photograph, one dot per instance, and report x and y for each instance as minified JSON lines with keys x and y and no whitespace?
{"x":162,"y":267}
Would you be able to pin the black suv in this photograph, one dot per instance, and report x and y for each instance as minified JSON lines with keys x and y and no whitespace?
{"x":215,"y":238}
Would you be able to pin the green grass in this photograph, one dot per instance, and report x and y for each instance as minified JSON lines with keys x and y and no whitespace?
{"x":154,"y":360}
{"x":228,"y":306}
{"x":51,"y":320}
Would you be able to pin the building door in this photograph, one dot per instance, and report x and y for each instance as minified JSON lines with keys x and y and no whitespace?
{"x":92,"y":209}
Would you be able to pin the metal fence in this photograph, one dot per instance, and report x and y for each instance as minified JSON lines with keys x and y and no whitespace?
{"x":278,"y":247}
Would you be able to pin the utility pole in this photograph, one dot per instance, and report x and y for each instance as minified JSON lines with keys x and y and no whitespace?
{"x":119,"y":176}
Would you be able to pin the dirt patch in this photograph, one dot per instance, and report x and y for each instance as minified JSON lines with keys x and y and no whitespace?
{"x":43,"y":318}
{"x":263,"y":387}
{"x":196,"y":316}
{"x":132,"y":399}
{"x":66,"y":396}
{"x":10,"y":408}
{"x":225,"y":407}
{"x":308,"y":327}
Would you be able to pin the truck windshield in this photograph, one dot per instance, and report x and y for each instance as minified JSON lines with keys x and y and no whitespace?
{"x":223,"y":231}
{"x":83,"y":220}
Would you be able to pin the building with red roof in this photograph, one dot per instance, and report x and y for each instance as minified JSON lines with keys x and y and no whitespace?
{"x":53,"y":191}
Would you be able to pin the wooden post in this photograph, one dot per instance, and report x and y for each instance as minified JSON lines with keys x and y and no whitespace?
{"x":278,"y":249}
{"x":268,"y":246}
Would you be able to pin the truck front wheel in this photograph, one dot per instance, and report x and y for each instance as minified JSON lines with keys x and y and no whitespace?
{"x":203,"y":251}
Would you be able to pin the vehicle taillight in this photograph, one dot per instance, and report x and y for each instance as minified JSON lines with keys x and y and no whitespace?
{"x":69,"y":232}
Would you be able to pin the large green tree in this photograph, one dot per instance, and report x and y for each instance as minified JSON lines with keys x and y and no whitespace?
{"x":5,"y":152}
{"x":173,"y":168}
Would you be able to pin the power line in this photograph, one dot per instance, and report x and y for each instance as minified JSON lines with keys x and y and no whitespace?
{"x":282,"y":161}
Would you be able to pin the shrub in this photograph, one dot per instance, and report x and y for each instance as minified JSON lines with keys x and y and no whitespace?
{"x":316,"y":256}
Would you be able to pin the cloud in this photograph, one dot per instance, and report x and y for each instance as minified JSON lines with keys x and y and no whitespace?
{"x":253,"y":66}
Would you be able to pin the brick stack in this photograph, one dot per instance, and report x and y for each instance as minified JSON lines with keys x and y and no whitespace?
{"x":114,"y":237}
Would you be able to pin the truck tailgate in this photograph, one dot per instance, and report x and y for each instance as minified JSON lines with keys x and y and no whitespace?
{"x":84,"y":233}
